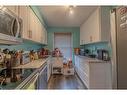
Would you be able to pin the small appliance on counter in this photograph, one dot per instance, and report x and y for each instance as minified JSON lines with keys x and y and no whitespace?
{"x":43,"y":53}
{"x":31,"y":54}
{"x":25,"y":57}
{"x":87,"y":52}
{"x":7,"y":58}
{"x":16,"y":57}
{"x":77,"y":51}
{"x":103,"y":54}
{"x":82,"y":52}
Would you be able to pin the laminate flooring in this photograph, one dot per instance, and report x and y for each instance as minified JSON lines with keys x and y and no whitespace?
{"x":65,"y":82}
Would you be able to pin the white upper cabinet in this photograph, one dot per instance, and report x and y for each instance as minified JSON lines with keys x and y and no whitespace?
{"x":32,"y":27}
{"x":39,"y":33}
{"x":24,"y":15}
{"x":45,"y":36}
{"x":96,"y":28}
{"x":14,"y":9}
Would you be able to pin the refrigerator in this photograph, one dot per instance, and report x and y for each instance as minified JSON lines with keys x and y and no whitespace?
{"x":118,"y":21}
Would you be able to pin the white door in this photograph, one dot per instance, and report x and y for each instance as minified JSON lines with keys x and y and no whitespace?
{"x":63,"y":41}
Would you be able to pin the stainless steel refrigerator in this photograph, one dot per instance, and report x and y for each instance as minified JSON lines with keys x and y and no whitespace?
{"x":118,"y":21}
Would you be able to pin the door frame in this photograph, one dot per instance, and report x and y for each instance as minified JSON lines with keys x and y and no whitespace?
{"x":71,"y":41}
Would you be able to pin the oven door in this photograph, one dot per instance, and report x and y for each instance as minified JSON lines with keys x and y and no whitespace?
{"x":42,"y":78}
{"x":30,"y":82}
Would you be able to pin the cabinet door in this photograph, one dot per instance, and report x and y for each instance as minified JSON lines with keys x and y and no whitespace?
{"x":82,"y":36}
{"x":24,"y":15}
{"x":105,"y":23}
{"x":32,"y":34}
{"x":43,"y":35}
{"x":91,"y":28}
{"x":37,"y":29}
{"x":40,"y":32}
{"x":42,"y":79}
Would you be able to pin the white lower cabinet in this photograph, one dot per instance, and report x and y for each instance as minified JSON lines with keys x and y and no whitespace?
{"x":94,"y":74}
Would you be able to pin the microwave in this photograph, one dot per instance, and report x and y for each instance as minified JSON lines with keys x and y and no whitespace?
{"x":10,"y":27}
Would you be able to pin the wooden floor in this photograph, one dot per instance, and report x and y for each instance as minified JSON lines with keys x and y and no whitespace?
{"x":65,"y":82}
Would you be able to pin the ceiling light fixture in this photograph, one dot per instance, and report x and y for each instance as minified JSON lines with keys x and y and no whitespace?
{"x":71,"y":9}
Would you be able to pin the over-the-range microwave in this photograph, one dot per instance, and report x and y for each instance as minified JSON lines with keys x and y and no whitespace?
{"x":10,"y":27}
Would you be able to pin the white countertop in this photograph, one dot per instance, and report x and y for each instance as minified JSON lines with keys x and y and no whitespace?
{"x":92,"y":60}
{"x":34,"y":64}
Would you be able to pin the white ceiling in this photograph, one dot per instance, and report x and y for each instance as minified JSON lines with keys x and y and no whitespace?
{"x":58,"y":16}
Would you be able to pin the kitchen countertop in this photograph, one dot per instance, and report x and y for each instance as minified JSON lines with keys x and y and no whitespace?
{"x":25,"y":70}
{"x":34,"y":64}
{"x":93,"y":60}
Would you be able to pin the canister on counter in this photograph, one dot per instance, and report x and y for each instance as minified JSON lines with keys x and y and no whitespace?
{"x":77,"y":51}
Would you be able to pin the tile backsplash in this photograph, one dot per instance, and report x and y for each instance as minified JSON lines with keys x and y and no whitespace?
{"x":26,"y":45}
{"x":93,"y":47}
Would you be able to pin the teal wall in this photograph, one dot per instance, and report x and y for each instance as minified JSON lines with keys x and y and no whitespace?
{"x":75,"y":36}
{"x":36,"y":10}
{"x":94,"y":46}
{"x":26,"y":45}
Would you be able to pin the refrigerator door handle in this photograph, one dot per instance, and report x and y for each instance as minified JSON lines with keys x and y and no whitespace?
{"x":113,"y":47}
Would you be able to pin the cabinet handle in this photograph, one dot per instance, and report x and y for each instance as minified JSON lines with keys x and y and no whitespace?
{"x":91,"y":39}
{"x":30,"y":34}
{"x":82,"y":42}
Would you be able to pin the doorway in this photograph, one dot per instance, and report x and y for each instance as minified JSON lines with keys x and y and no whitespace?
{"x":63,"y":41}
